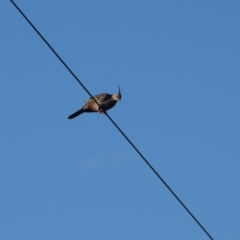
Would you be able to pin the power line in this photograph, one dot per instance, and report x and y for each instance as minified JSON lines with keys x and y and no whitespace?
{"x":124,"y":135}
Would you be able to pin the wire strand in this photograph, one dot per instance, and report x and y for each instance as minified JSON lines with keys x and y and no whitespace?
{"x":124,"y":135}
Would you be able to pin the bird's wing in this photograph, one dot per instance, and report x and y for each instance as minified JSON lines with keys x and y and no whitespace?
{"x":100,"y":97}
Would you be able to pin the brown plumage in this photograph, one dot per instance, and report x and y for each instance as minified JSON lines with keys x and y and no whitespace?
{"x":105,"y":102}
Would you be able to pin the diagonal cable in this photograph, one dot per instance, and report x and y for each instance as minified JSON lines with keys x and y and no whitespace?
{"x":124,"y":135}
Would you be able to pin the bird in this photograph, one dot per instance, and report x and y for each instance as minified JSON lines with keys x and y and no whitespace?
{"x":105,"y":102}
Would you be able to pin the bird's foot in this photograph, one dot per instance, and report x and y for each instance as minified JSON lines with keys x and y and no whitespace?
{"x":102,"y":111}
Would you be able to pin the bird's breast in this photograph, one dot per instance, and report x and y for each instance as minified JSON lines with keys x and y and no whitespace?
{"x":108,"y":104}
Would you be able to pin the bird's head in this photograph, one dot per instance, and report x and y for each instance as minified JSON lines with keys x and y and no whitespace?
{"x":117,"y":96}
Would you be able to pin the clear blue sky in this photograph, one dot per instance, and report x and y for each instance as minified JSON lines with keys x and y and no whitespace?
{"x":178,"y":65}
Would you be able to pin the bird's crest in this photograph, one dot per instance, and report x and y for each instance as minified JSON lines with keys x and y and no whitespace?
{"x":119,"y":93}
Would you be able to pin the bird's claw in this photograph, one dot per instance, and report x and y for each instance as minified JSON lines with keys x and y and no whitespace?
{"x":101,"y":111}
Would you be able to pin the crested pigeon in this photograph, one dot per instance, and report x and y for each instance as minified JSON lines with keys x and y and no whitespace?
{"x":105,"y":102}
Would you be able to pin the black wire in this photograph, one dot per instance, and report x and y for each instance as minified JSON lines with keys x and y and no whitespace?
{"x":174,"y":194}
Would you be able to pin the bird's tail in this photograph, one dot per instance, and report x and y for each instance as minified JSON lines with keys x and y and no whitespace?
{"x":80,"y":111}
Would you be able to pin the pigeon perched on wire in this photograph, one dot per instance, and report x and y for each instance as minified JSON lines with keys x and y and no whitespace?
{"x":105,"y":102}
